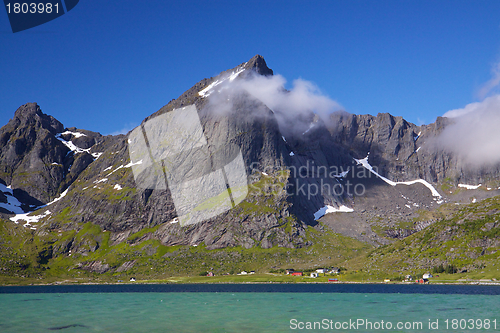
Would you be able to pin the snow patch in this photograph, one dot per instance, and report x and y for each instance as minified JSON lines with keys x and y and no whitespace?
{"x":469,"y":187}
{"x":75,"y":134}
{"x":29,"y":219}
{"x":265,"y":174}
{"x":125,"y":166}
{"x":330,"y":209}
{"x":418,"y":149}
{"x":311,"y":125}
{"x":292,"y":153}
{"x":235,"y":75}
{"x":12,"y":205}
{"x":5,"y":189}
{"x":100,"y":181}
{"x":12,"y":208}
{"x":58,"y":198}
{"x":364,"y":163}
{"x":108,"y":168}
{"x":117,"y":187}
{"x":72,"y":147}
{"x":175,"y":220}
{"x":342,"y":174}
{"x":131,"y":164}
{"x":207,"y":91}
{"x":283,"y":138}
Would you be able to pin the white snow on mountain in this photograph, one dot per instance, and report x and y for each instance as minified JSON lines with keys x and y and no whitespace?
{"x":234,"y":75}
{"x":125,"y":166}
{"x":311,"y":125}
{"x":364,"y":163}
{"x":330,"y":209}
{"x":342,"y":174}
{"x":12,"y":205}
{"x":72,"y":147}
{"x":29,"y":219}
{"x":469,"y":187}
{"x":208,"y":90}
{"x":75,"y":134}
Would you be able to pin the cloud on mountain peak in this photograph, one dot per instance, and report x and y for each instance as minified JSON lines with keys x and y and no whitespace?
{"x":474,"y":134}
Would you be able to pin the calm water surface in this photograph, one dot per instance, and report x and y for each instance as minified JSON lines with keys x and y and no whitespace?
{"x":248,"y":308}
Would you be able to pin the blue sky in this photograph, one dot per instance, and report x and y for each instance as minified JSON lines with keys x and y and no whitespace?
{"x":105,"y":67}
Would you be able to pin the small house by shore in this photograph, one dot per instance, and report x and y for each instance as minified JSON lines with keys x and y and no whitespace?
{"x":335,"y":270}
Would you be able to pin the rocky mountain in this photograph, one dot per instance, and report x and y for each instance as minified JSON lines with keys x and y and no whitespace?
{"x":85,"y":196}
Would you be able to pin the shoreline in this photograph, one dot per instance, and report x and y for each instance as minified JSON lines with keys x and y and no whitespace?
{"x":167,"y":282}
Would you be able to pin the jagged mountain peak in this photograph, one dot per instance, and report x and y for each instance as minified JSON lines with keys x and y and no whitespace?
{"x":31,"y":114}
{"x":197,"y":93}
{"x":28,"y":110}
{"x":258,"y":64}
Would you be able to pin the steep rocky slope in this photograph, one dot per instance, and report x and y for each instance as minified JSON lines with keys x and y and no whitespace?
{"x":465,"y":237}
{"x":94,"y":202}
{"x":404,"y":151}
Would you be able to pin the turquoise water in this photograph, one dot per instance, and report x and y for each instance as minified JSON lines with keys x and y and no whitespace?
{"x":241,"y":311}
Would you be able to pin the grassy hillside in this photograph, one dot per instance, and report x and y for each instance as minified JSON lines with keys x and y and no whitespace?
{"x":463,"y":244}
{"x":27,"y":258}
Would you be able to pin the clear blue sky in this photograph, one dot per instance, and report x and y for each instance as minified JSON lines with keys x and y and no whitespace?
{"x":106,"y":65}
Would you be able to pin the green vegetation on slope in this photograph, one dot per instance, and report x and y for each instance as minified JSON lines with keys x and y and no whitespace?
{"x":466,"y":238}
{"x":26,"y":257}
{"x":464,"y":243}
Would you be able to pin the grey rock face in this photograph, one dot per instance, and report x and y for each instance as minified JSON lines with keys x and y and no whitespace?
{"x":405,"y":151}
{"x":284,"y":169}
{"x":36,"y":164}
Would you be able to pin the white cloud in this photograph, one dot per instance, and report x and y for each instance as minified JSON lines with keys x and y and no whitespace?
{"x":475,"y":132}
{"x":290,"y":106}
{"x":492,"y":83}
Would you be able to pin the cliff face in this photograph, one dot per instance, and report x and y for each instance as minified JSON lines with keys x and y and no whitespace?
{"x":405,"y":151}
{"x":91,"y":175}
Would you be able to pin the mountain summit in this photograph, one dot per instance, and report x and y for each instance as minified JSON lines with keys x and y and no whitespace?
{"x":258,"y":64}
